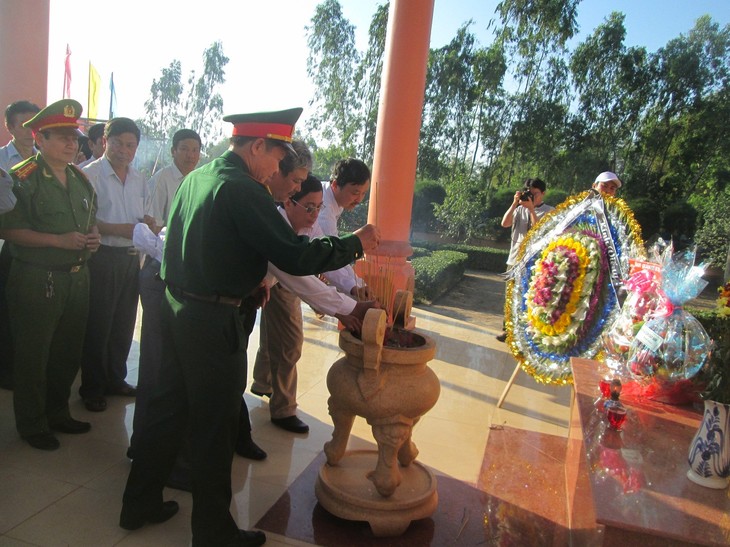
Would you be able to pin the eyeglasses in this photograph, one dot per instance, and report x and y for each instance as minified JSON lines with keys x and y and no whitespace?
{"x":310,"y":208}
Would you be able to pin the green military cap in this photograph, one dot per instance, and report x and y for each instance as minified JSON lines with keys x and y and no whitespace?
{"x":277,"y":125}
{"x":61,"y":114}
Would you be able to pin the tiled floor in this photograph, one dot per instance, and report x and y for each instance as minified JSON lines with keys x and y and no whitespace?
{"x":73,"y":496}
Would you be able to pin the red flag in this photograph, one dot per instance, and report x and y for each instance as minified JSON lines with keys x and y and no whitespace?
{"x":67,"y":75}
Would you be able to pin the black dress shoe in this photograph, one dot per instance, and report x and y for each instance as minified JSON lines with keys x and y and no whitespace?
{"x":74,"y":427}
{"x":95,"y":404}
{"x":123,"y":390}
{"x":261,"y":394}
{"x":250,"y":450}
{"x":131,"y":519}
{"x":502,"y":337}
{"x":42,"y":441}
{"x":291,"y":423}
{"x":247,"y":538}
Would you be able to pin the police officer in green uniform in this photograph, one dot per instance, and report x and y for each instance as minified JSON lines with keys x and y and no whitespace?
{"x":51,"y":233}
{"x":223,"y":228}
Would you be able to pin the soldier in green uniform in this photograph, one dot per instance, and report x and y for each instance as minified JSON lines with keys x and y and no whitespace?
{"x":223,"y":229}
{"x":51,"y":232}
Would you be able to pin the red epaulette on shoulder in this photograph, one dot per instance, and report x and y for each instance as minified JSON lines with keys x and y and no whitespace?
{"x":24,"y":171}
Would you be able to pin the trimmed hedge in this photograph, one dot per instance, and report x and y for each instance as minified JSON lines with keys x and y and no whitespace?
{"x":437,"y":273}
{"x":478,"y":258}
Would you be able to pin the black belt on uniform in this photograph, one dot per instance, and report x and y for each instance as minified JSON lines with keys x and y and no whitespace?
{"x":67,"y":268}
{"x":132,"y":251}
{"x":212,"y":298}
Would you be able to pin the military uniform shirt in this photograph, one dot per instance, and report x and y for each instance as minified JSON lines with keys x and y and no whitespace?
{"x":45,"y":205}
{"x":224,"y":228}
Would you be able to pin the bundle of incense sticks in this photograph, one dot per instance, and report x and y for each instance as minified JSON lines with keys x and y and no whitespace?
{"x":379,"y":279}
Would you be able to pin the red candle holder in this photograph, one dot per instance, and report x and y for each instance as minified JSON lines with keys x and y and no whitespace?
{"x":616,"y":417}
{"x":605,"y":386}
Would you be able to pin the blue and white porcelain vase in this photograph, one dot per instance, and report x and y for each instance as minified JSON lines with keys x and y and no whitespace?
{"x":709,"y":452}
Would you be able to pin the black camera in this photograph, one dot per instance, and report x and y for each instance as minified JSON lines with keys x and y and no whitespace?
{"x":526,"y":195}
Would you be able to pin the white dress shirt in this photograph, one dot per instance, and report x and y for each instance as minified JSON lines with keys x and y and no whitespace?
{"x":344,"y":278}
{"x":319,"y":295}
{"x":9,"y":156}
{"x":161,"y":189}
{"x":7,"y":198}
{"x":118,"y":202}
{"x":86,"y":162}
{"x":329,"y":216}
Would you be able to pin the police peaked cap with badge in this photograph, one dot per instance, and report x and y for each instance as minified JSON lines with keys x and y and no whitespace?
{"x":277,"y":125}
{"x":61,"y":114}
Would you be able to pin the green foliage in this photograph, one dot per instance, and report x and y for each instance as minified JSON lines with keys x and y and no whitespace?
{"x":680,"y":221}
{"x":717,"y":373}
{"x":478,"y":258}
{"x":556,"y":196}
{"x":645,"y":213}
{"x":713,"y":235}
{"x":332,"y":65}
{"x":461,"y":213}
{"x":437,"y":273}
{"x":658,"y":119}
{"x":352,"y":220}
{"x":426,"y":193}
{"x":195,"y":105}
{"x":367,"y":82}
{"x":326,"y":158}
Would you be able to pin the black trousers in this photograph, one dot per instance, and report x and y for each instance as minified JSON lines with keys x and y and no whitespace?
{"x":6,"y":338}
{"x":113,"y":297}
{"x":202,"y":378}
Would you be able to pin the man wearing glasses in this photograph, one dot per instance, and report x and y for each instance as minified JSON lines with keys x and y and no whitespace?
{"x":282,"y":334}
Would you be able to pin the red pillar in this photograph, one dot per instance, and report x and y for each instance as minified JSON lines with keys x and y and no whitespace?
{"x":397,"y":136}
{"x":24,"y":28}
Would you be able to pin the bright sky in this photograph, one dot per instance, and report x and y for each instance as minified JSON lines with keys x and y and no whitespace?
{"x":266,"y":41}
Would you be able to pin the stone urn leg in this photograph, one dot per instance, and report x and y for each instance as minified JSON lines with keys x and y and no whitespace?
{"x":335,"y":449}
{"x":408,"y":451}
{"x":390,"y":438}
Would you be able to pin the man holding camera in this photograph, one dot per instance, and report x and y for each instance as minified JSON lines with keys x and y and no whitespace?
{"x":526,"y":209}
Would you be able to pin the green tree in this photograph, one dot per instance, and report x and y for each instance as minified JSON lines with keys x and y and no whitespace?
{"x":462,"y":212}
{"x":162,"y":108}
{"x":196,"y":105}
{"x":331,"y":64}
{"x":368,"y":79}
{"x":204,"y":105}
{"x":534,"y":36}
{"x":614,"y":85}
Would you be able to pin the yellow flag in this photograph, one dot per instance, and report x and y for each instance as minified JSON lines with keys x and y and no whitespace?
{"x":94,"y":87}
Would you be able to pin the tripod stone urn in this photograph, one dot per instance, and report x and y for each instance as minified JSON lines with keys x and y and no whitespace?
{"x":383,"y":377}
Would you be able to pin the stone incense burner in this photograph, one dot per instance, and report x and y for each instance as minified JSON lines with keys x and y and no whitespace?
{"x":383,"y":377}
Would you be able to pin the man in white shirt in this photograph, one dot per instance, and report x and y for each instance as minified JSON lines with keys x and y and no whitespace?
{"x":281,"y":334}
{"x":96,"y":143}
{"x":121,"y":193}
{"x":349,"y":186}
{"x":22,"y":144}
{"x":162,"y":185}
